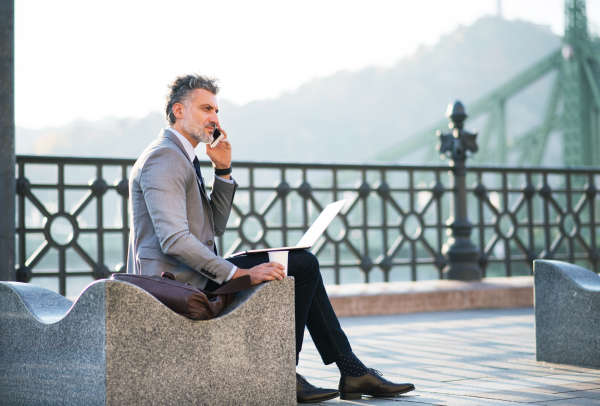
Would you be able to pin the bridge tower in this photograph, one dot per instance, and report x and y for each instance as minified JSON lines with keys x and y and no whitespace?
{"x":579,"y":69}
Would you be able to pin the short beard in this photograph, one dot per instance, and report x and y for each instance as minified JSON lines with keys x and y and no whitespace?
{"x":196,"y":129}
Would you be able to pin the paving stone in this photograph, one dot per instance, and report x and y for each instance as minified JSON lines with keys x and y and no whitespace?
{"x":523,"y":396}
{"x":446,"y":400}
{"x":363,"y":401}
{"x":419,"y":399}
{"x":476,"y":386}
{"x":571,"y":387}
{"x":589,"y":394}
{"x":570,"y":402}
{"x":558,"y":367}
{"x":562,"y":379}
{"x":472,"y":386}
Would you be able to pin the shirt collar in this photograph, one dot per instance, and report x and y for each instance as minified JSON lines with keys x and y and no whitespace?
{"x":189,"y":148}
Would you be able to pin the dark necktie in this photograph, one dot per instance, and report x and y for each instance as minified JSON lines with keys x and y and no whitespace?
{"x":199,"y":174}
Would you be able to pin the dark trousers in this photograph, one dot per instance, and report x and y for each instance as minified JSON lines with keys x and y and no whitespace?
{"x":313,"y":308}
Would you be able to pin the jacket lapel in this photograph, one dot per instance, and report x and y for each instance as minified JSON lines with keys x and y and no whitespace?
{"x":168,"y":134}
{"x":165,"y":132}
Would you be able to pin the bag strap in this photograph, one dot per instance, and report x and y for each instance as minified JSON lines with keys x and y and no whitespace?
{"x":234,"y":286}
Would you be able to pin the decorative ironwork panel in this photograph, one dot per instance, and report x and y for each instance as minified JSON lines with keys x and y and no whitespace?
{"x":522,"y":214}
{"x":390,"y":229}
{"x":72,"y":224}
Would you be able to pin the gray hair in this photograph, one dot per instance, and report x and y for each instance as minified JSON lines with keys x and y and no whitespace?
{"x":182,"y":87}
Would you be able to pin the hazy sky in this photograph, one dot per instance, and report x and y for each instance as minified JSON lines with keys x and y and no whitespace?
{"x":93,"y":59}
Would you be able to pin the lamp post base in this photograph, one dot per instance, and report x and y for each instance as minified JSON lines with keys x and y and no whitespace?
{"x":463,"y":262}
{"x":462,"y":273}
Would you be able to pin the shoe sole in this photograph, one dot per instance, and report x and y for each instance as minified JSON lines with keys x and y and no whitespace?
{"x":355,"y":396}
{"x":323,"y":399}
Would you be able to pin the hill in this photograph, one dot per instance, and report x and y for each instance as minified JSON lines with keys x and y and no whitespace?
{"x":356,"y":114}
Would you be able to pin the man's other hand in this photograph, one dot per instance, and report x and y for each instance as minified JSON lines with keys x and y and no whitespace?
{"x":262,"y":273}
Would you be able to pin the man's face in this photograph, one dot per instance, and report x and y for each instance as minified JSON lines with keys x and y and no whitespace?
{"x":200,"y":115}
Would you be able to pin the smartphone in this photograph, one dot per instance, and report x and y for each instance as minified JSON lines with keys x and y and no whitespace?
{"x":217,"y":137}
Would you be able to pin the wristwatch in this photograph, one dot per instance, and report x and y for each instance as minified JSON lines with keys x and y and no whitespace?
{"x":220,"y":172}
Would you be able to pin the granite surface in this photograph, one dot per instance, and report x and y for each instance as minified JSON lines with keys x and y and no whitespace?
{"x":428,"y":296}
{"x":245,"y":356}
{"x":51,"y":353}
{"x":567,"y":314}
{"x":117,"y":345}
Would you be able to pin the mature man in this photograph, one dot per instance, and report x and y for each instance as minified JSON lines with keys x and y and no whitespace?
{"x":175,"y":221}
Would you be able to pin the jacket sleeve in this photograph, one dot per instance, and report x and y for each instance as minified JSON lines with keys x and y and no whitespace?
{"x":165,"y":195}
{"x":221,"y":201}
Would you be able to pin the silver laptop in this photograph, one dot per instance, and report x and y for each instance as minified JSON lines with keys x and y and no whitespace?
{"x":312,"y":234}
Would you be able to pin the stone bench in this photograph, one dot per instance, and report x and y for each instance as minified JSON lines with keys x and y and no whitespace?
{"x":567,"y":314}
{"x":117,"y":345}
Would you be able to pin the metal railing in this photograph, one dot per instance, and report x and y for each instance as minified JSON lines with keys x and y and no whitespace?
{"x":72,"y":220}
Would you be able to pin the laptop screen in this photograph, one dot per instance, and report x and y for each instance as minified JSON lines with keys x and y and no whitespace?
{"x":321,"y":223}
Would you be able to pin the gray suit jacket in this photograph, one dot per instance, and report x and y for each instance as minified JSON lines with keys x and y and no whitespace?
{"x":173,"y":223}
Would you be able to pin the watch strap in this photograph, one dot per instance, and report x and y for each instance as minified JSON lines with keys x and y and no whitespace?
{"x":220,"y":172}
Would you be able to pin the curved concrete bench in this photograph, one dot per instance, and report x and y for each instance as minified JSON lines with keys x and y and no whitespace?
{"x":567,"y":314}
{"x":117,"y":345}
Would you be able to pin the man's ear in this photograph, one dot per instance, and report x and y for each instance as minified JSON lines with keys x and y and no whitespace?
{"x":178,"y":110}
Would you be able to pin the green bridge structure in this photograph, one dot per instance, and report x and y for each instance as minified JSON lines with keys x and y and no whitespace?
{"x":572,"y":107}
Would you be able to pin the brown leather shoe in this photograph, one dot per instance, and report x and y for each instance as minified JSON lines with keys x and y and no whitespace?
{"x":373,"y":384}
{"x":307,"y":393}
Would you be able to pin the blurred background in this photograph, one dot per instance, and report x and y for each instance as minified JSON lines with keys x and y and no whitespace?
{"x":297,"y":78}
{"x":321,"y":100}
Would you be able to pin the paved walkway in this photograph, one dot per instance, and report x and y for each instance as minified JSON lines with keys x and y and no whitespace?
{"x":469,"y":357}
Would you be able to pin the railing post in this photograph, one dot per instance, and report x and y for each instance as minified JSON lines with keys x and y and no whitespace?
{"x":7,"y":142}
{"x":462,"y":254}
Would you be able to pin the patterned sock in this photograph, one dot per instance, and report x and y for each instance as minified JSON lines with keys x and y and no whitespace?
{"x":350,"y":365}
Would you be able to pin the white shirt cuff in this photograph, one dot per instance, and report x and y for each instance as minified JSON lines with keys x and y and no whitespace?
{"x":231,"y":274}
{"x":224,"y":180}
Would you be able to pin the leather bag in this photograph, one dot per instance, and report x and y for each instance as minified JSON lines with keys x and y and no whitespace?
{"x":184,"y":299}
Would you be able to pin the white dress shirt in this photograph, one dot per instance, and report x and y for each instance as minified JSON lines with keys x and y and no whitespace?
{"x":189,"y":149}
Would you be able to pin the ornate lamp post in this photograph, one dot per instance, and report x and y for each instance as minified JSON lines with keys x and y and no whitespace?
{"x":462,"y":254}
